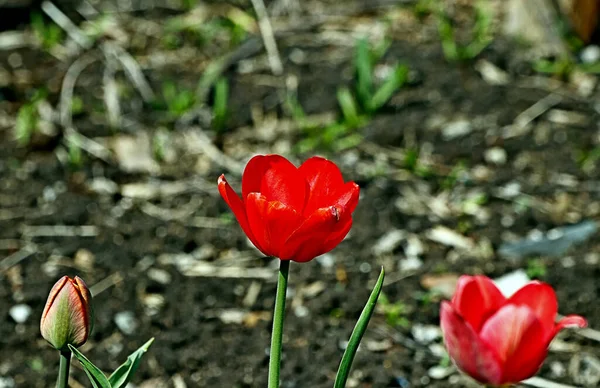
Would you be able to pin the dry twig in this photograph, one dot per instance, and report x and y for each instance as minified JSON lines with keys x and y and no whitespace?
{"x":266,"y":30}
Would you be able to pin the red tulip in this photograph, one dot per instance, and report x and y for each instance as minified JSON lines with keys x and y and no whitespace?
{"x":498,"y":340}
{"x":292,"y":213}
{"x":67,"y":317}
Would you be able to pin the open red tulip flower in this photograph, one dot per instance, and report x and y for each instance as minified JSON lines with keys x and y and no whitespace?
{"x":498,"y":340}
{"x":293,"y":213}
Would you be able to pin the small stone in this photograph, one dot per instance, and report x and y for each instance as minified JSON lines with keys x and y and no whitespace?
{"x":444,"y":284}
{"x":134,"y":153}
{"x":491,"y":74}
{"x":411,"y":263}
{"x":496,"y":155}
{"x":509,"y":190}
{"x":584,"y":83}
{"x":456,"y":129}
{"x":590,"y":54}
{"x":103,"y":186}
{"x":440,"y":372}
{"x":508,"y":284}
{"x":379,"y":346}
{"x":301,"y":311}
{"x":159,"y":275}
{"x":438,"y":350}
{"x":84,"y":259}
{"x":388,"y":242}
{"x":327,"y":260}
{"x":7,"y":382}
{"x":425,"y":334}
{"x":557,"y":369}
{"x":126,"y":322}
{"x":232,"y":316}
{"x":592,"y":258}
{"x":20,"y":313}
{"x":449,"y":237}
{"x":414,"y":246}
{"x":153,"y":303}
{"x":15,"y":60}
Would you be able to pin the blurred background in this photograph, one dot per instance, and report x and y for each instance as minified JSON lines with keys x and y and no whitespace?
{"x":471,"y":127}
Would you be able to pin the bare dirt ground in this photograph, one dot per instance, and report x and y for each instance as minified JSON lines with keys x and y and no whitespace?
{"x":114,"y":179}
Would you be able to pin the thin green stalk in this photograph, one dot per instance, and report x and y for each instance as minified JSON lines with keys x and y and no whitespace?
{"x":63,"y":371}
{"x":277,"y":333}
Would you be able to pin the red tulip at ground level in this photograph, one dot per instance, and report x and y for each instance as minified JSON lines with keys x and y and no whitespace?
{"x":293,"y":213}
{"x":498,"y":340}
{"x":67,"y":317}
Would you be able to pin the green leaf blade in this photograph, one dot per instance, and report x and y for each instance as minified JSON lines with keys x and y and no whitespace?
{"x":120,"y":377}
{"x":96,"y":376}
{"x":357,"y":334}
{"x":389,"y":87}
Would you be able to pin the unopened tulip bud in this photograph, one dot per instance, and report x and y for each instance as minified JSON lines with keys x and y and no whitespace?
{"x":67,"y":317}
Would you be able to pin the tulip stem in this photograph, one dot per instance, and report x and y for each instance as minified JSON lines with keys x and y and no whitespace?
{"x":277,"y":333}
{"x":63,"y":371}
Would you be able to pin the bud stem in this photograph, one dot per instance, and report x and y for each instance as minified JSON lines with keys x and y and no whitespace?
{"x":277,"y":333}
{"x":63,"y":371}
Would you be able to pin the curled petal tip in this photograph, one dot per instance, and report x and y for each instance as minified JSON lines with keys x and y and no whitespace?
{"x":572,"y":321}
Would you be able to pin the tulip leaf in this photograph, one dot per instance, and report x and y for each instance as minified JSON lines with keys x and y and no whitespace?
{"x":357,"y":333}
{"x":96,"y":376}
{"x":120,"y":377}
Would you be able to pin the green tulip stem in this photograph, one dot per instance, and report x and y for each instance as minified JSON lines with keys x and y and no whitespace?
{"x":277,"y":333}
{"x":63,"y":371}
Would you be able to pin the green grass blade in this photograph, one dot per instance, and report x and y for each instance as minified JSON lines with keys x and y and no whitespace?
{"x":446,"y":31}
{"x":357,"y":333}
{"x":348,"y":106}
{"x":220,"y":104}
{"x":120,"y":377}
{"x":96,"y":376}
{"x":389,"y":87}
{"x":364,"y":72}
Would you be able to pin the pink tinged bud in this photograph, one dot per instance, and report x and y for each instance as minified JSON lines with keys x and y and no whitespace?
{"x":67,"y":317}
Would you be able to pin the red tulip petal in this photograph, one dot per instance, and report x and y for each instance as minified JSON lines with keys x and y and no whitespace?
{"x":347,"y":197}
{"x":518,"y":337}
{"x":471,"y":355}
{"x":541,"y":299}
{"x":318,"y":245}
{"x":321,"y":174}
{"x":272,"y":222}
{"x":311,"y":238}
{"x":338,"y":233}
{"x":53,"y":294}
{"x":277,"y":179}
{"x":326,"y":186}
{"x":570,"y":321}
{"x":237,"y":207}
{"x":80,"y":325}
{"x":476,"y":299}
{"x":86,"y":300}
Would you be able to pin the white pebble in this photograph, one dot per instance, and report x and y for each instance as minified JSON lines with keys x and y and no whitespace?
{"x":590,"y":54}
{"x":126,"y":322}
{"x":496,"y":155}
{"x":20,"y":313}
